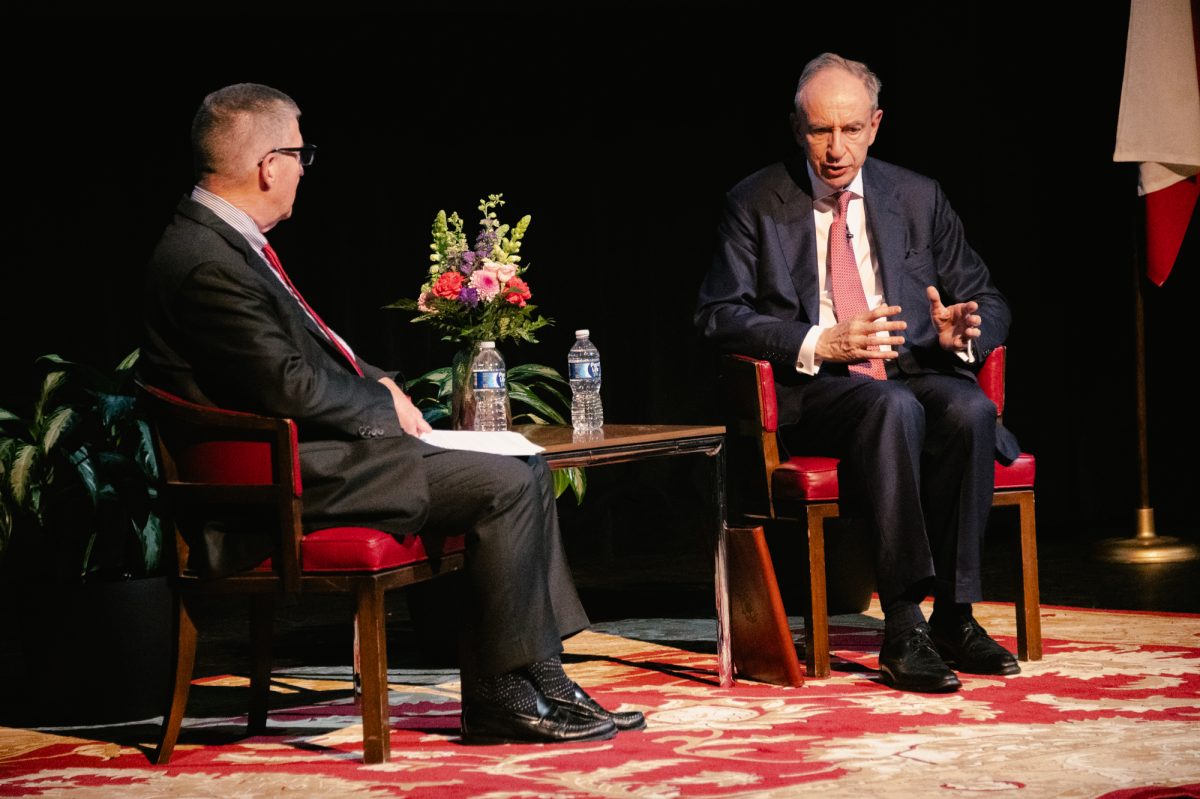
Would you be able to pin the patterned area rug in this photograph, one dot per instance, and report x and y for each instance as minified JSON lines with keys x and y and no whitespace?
{"x":1112,"y":709}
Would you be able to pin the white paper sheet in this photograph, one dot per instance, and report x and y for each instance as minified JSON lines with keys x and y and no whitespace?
{"x":499,"y":443}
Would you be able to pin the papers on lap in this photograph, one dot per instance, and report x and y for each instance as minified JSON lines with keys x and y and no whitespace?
{"x":498,"y":443}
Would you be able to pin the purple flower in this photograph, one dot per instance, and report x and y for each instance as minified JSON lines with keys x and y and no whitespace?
{"x":467,"y":263}
{"x":468,"y":296}
{"x":485,"y":243}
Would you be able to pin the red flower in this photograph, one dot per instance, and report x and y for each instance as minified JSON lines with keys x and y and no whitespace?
{"x":448,"y":285}
{"x":518,"y":291}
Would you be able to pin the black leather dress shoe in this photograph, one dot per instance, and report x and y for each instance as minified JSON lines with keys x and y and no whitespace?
{"x":967,"y":647}
{"x":910,"y":663}
{"x":581,"y":704}
{"x":485,"y":723}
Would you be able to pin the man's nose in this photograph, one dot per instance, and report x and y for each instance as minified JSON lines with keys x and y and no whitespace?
{"x":837,"y":145}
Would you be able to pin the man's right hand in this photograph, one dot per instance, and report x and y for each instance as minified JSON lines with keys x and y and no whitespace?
{"x":848,"y":342}
{"x":411,"y":420}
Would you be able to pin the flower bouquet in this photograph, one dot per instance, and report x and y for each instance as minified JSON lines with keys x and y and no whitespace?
{"x":475,"y":292}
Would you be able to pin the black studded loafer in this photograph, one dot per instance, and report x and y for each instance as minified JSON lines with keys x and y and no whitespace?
{"x":583,"y":705}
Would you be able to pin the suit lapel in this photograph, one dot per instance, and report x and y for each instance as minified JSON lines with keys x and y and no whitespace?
{"x":885,"y":218}
{"x":198,"y":213}
{"x":796,"y":234}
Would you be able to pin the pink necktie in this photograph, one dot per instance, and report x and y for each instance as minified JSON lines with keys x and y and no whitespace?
{"x":849,"y":300}
{"x":273,"y":260}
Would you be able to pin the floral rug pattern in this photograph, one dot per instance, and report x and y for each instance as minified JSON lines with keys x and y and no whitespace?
{"x":1114,"y":706}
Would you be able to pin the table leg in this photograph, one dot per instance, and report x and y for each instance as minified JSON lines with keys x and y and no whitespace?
{"x":721,"y":578}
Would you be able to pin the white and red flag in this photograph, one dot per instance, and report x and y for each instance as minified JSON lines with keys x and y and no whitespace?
{"x":1159,"y":122}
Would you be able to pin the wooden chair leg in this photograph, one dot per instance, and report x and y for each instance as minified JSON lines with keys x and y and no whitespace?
{"x":816,"y":622}
{"x":185,"y":660}
{"x":1029,"y":619}
{"x":762,"y":641}
{"x":373,"y":652}
{"x":262,"y":611}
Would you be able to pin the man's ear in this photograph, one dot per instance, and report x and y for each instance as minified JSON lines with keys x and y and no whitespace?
{"x":876,"y":118}
{"x":267,"y":171}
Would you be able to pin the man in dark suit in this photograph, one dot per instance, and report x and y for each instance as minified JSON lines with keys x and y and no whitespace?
{"x":225,"y":327}
{"x":853,"y":277}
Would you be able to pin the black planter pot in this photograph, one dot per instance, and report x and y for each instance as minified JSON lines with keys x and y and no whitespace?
{"x":93,"y":654}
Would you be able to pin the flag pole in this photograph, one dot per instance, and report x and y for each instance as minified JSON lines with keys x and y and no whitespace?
{"x":1146,"y":546}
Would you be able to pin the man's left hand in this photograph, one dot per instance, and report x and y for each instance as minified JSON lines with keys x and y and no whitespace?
{"x":956,"y":324}
{"x":409,"y":416}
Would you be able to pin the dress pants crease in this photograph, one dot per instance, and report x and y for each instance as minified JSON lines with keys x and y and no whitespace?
{"x":916,"y":455}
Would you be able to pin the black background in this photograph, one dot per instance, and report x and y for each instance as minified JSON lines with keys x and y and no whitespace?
{"x":618,"y":130}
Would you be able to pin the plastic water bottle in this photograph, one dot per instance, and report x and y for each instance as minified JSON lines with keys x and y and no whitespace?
{"x":583,"y":368}
{"x":490,"y":388}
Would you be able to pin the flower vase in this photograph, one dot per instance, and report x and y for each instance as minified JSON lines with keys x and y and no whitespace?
{"x":462,"y":397}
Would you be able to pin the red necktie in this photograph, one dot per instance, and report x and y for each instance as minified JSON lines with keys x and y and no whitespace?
{"x":273,"y":260}
{"x":849,"y":300}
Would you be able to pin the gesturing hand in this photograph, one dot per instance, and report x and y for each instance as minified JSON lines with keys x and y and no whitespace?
{"x":956,"y":324}
{"x":409,"y":416}
{"x":858,"y":339}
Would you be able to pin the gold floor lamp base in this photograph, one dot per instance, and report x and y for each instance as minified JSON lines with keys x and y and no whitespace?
{"x":1146,"y":546}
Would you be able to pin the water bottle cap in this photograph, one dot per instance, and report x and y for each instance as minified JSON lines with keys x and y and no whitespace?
{"x":487,"y":345}
{"x":582,"y":333}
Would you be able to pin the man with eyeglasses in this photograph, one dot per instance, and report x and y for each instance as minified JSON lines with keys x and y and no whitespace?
{"x":853,"y":277}
{"x":226,"y":327}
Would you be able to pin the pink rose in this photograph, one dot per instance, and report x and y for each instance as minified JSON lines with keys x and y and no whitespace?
{"x":503,"y":272}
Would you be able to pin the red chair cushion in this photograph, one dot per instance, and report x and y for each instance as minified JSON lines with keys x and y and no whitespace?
{"x":814,"y":479}
{"x":806,"y":478}
{"x":363,"y":549}
{"x":1019,"y":475}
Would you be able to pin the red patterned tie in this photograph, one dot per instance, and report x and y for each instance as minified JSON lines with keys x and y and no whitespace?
{"x":273,"y":260}
{"x":849,"y":300}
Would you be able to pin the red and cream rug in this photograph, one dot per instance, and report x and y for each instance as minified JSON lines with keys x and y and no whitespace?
{"x":1113,"y":708}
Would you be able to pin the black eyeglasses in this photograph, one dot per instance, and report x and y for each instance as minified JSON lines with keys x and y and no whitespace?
{"x":306,"y":153}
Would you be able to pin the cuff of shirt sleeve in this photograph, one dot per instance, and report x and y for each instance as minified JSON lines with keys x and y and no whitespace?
{"x":807,"y":362}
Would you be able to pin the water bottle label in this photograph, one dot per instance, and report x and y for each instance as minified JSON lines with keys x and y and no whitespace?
{"x":488,"y":379}
{"x":585,"y":370}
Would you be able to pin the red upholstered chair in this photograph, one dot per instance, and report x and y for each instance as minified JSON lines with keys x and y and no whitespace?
{"x":224,"y":465}
{"x":803,"y":490}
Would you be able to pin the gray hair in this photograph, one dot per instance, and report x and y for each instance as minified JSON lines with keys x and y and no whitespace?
{"x":234,"y":122}
{"x":833,"y":61}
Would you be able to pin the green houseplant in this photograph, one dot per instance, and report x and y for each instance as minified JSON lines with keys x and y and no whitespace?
{"x":80,"y":545}
{"x":77,"y":478}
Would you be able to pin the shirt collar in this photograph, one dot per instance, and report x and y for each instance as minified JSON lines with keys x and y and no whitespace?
{"x":231,"y":215}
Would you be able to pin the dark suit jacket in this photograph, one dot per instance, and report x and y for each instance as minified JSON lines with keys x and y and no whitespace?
{"x":761,"y":296}
{"x":221,"y":330}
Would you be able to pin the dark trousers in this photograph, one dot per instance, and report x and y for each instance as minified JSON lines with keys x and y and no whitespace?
{"x":520,"y":598}
{"x":917,"y":457}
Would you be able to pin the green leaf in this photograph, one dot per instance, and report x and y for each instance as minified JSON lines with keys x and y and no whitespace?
{"x":21,"y":475}
{"x":574,"y":478}
{"x":527,"y":370}
{"x":523,"y":394}
{"x":8,"y":416}
{"x":60,"y":422}
{"x":86,"y":469}
{"x":50,"y":386}
{"x":129,"y":361}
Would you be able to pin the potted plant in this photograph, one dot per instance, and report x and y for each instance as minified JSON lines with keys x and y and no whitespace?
{"x":80,"y":544}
